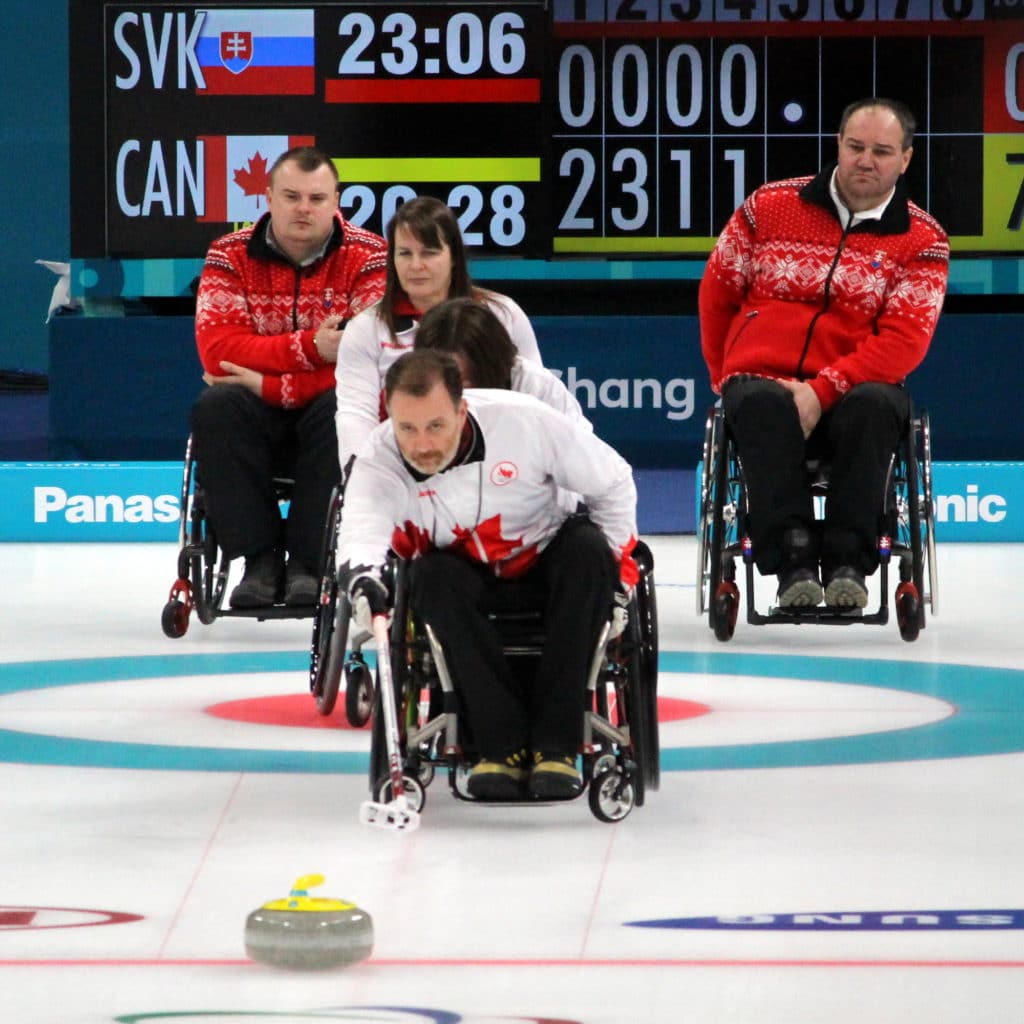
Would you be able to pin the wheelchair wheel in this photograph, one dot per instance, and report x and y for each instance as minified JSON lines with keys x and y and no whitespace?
{"x":927,"y":499}
{"x":358,"y":692}
{"x":209,"y":567}
{"x":329,"y":646}
{"x":704,"y":512}
{"x":724,"y":596}
{"x":330,"y":620}
{"x":641,"y":714}
{"x":174,"y":619}
{"x":910,"y":630}
{"x":611,"y":795}
{"x":908,"y":611}
{"x":647,"y":667}
{"x":725,"y":609}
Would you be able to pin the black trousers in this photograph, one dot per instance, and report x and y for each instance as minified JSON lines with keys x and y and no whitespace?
{"x":857,"y":437}
{"x":240,"y":444}
{"x":507,"y":710}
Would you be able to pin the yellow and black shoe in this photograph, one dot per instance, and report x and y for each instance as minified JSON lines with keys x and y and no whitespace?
{"x":554,"y":777}
{"x":498,"y":780}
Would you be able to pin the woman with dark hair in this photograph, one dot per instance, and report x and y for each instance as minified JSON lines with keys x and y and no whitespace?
{"x":473,"y":335}
{"x":426,"y":265}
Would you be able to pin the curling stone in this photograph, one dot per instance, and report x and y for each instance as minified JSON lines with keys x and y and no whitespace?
{"x":309,"y":933}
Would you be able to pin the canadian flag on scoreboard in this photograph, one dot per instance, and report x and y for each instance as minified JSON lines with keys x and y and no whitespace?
{"x":257,"y":52}
{"x":236,"y":173}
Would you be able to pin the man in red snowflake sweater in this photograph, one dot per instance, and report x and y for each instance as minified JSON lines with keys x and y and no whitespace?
{"x":821,"y":295}
{"x":273,"y":301}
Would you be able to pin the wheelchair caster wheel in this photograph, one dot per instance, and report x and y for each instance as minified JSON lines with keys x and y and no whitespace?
{"x":611,"y":795}
{"x":725,"y":609}
{"x":174,"y":619}
{"x":414,"y":793}
{"x":358,"y":693}
{"x":908,"y":611}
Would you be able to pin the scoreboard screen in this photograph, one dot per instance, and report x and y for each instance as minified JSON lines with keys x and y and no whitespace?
{"x":583,"y":128}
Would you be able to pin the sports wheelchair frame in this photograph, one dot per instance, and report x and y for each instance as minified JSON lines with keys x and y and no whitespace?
{"x":620,"y":747}
{"x":203,"y":567}
{"x":906,"y":530}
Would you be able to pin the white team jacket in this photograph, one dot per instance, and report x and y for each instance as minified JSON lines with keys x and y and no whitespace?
{"x":501,"y":505}
{"x":367,"y":350}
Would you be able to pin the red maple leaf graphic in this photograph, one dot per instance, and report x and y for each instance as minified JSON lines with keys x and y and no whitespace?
{"x":487,"y":536}
{"x":253,"y":180}
{"x":409,"y":540}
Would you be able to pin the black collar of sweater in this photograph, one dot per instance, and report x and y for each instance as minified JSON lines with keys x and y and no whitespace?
{"x":894,"y":221}
{"x":258,"y":248}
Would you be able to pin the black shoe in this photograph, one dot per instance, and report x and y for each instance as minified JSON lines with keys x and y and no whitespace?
{"x":498,"y":780}
{"x":846,"y":589}
{"x":799,"y":588}
{"x":260,"y":583}
{"x":301,"y":587}
{"x":554,"y":777}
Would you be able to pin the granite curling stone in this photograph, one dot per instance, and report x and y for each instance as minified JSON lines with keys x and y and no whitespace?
{"x":309,"y":933}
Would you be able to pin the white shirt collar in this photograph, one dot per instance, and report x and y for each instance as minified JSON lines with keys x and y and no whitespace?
{"x":848,"y":218}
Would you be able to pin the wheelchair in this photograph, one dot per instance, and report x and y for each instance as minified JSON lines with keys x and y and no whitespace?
{"x":330,"y":657}
{"x":906,"y":531}
{"x":203,"y":567}
{"x":620,"y":748}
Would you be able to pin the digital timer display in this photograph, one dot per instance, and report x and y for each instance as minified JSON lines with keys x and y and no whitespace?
{"x":573,"y":128}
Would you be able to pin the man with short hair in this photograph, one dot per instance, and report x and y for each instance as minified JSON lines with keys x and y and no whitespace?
{"x":273,"y":301}
{"x":471,"y":488}
{"x":821,"y":295}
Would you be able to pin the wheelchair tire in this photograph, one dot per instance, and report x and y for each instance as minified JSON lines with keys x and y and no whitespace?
{"x":358,"y":692}
{"x":611,"y":795}
{"x":639,"y":703}
{"x":174,"y":619}
{"x":716,"y":556}
{"x":704,"y":512}
{"x":647,"y":614}
{"x":726,"y":607}
{"x":908,"y":611}
{"x":328,"y":654}
{"x":330,"y":622}
{"x":914,"y":493}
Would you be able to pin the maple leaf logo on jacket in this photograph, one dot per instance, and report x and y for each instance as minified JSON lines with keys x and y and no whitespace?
{"x":486,"y":544}
{"x":504,"y":473}
{"x":410,"y":540}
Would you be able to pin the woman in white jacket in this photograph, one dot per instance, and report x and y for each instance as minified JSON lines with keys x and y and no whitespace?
{"x":473,"y":335}
{"x":426,"y":265}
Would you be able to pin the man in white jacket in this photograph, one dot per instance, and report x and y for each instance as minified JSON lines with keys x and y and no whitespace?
{"x":468,"y":487}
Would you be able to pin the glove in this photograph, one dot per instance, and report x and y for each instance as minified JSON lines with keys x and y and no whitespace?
{"x":369,"y":597}
{"x":620,"y":613}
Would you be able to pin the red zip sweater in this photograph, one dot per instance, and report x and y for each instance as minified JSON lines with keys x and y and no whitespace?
{"x":788,"y":294}
{"x":258,"y":310}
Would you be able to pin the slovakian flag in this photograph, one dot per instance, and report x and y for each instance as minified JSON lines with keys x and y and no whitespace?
{"x":236,"y":173}
{"x":256,"y":52}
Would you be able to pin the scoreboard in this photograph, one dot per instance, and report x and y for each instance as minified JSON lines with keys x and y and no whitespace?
{"x":576,"y":128}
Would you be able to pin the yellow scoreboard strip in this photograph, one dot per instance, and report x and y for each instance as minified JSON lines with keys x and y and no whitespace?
{"x":1003,"y":176}
{"x":453,"y":170}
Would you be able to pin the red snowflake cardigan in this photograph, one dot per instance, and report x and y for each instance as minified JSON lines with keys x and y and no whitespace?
{"x":788,"y":294}
{"x":256,"y":309}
